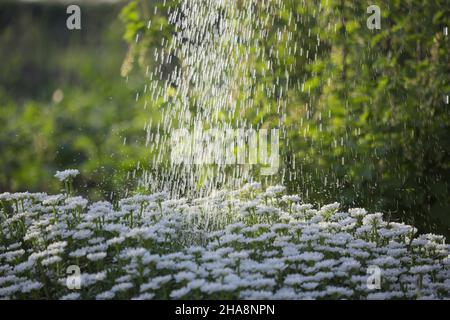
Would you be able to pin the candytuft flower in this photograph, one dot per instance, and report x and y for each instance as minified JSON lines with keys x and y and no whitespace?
{"x":67,"y":174}
{"x":242,"y":244}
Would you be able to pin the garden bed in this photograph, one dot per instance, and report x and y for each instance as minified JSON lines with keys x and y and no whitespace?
{"x":244,"y":244}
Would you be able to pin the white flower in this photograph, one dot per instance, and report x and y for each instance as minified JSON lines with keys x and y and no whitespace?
{"x":144,"y":296}
{"x":133,"y":253}
{"x":6,"y":196}
{"x":357,"y":212}
{"x":115,"y":240}
{"x":30,"y":285}
{"x":256,"y":295}
{"x":51,"y":260}
{"x":238,"y":255}
{"x":330,"y":207}
{"x":179,"y":293}
{"x":266,"y":210}
{"x":374,"y":219}
{"x":422,"y":269}
{"x":10,"y":255}
{"x":66,"y":174}
{"x":96,"y":256}
{"x":294,"y":279}
{"x":75,"y":202}
{"x":196,"y":284}
{"x":274,"y":190}
{"x":159,"y":197}
{"x":311,"y":256}
{"x":105,"y":295}
{"x":343,"y":292}
{"x":71,"y":296}
{"x":21,"y":267}
{"x":252,"y":186}
{"x":155,"y":283}
{"x":98,"y":210}
{"x":302,"y":207}
{"x":184,"y":276}
{"x":291,"y":198}
{"x":9,"y":290}
{"x":82,"y":234}
{"x":122,"y":287}
{"x":379,"y":296}
{"x":90,"y":279}
{"x":310,"y":285}
{"x":53,"y":200}
{"x":78,"y":253}
{"x":206,"y":246}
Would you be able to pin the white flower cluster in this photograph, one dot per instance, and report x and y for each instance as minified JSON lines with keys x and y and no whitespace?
{"x":245,"y":244}
{"x":66,"y":174}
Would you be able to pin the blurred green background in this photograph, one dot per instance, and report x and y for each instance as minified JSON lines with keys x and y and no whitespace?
{"x":63,"y":102}
{"x":366,"y":117}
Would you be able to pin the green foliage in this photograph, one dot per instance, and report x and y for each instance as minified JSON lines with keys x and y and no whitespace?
{"x":365,"y":116}
{"x":63,"y":103}
{"x":379,"y":128}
